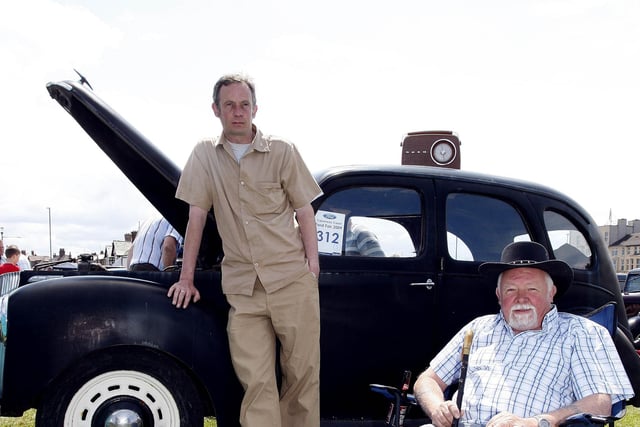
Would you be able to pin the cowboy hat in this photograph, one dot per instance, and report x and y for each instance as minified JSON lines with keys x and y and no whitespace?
{"x":530,"y":255}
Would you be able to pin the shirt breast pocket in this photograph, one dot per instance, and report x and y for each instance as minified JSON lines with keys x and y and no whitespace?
{"x":270,"y":198}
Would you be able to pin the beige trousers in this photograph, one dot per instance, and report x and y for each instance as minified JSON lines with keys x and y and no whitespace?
{"x":292,"y":316}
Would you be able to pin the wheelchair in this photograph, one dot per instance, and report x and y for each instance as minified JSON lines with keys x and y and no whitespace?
{"x":400,"y":401}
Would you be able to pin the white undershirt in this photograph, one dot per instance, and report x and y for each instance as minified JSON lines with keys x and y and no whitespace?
{"x":239,"y":149}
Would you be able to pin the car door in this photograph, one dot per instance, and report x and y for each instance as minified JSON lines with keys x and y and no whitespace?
{"x":376,"y":305}
{"x":475,"y":221}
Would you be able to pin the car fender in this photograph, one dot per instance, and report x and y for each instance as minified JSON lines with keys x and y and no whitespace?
{"x":53,"y":324}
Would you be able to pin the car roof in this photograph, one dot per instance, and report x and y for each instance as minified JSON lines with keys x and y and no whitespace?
{"x":399,"y":171}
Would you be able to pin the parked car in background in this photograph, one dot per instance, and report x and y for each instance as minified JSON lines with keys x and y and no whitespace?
{"x":632,"y":281}
{"x":631,"y":298}
{"x":631,"y":293}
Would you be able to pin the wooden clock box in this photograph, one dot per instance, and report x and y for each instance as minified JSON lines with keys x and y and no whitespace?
{"x":431,"y":148}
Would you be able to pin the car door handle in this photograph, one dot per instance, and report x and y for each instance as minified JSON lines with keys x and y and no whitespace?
{"x":428,"y":284}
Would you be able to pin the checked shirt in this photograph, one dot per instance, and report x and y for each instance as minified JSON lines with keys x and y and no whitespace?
{"x":533,"y":372}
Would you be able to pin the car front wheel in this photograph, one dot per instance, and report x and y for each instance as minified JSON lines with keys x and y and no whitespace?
{"x":123,"y":390}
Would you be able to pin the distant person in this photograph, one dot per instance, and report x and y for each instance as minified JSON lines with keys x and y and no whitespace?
{"x":3,"y":259}
{"x":23,"y":262}
{"x":13,"y":255}
{"x":155,"y":246}
{"x":361,"y":241}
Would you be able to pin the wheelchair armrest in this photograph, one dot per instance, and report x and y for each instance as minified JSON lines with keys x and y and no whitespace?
{"x":393,"y":393}
{"x":588,"y":420}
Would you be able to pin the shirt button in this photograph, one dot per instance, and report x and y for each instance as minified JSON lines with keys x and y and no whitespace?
{"x":241,"y":182}
{"x":255,"y":264}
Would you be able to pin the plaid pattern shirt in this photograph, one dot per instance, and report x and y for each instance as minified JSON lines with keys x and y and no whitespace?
{"x":533,"y":372}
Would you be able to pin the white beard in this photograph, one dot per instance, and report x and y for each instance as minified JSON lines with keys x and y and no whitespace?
{"x":523,"y":322}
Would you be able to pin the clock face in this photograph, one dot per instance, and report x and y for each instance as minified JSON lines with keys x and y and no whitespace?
{"x":443,"y":151}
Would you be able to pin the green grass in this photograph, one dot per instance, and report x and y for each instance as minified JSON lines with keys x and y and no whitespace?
{"x":632,"y":419}
{"x":29,"y":420}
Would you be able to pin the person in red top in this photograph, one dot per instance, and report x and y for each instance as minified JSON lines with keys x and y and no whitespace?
{"x":13,"y":255}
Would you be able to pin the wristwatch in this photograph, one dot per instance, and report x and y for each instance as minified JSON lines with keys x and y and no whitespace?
{"x":542,"y":421}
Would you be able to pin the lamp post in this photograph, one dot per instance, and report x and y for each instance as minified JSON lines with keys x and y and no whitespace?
{"x":50,"y":246}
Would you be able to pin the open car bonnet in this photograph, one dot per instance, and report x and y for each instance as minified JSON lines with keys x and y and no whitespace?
{"x":155,"y":175}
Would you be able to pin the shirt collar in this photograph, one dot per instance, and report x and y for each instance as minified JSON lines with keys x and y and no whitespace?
{"x":259,"y":143}
{"x":550,"y":319}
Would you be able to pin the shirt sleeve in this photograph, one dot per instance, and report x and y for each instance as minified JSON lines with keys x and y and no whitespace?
{"x":196,"y":184}
{"x":596,"y":366}
{"x":447,"y":364}
{"x":299,"y":184}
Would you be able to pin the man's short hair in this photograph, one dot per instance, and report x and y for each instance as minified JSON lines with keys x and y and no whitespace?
{"x":229,"y":79}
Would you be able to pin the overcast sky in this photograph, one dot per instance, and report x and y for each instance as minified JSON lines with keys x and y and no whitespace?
{"x":541,"y":90}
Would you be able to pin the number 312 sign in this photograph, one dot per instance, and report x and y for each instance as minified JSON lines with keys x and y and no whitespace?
{"x":330,"y":226}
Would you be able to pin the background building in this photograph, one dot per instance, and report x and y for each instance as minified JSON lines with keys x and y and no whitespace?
{"x":623,"y":241}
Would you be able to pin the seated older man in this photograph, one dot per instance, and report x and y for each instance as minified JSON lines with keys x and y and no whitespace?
{"x":529,"y":365}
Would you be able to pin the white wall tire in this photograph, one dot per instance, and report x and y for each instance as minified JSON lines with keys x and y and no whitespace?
{"x":104,"y":388}
{"x":150,"y":386}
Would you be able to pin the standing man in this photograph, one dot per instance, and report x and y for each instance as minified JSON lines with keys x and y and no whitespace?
{"x":255,"y":184}
{"x":3,"y":259}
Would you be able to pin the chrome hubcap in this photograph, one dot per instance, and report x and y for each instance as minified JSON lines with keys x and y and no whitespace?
{"x":123,"y":418}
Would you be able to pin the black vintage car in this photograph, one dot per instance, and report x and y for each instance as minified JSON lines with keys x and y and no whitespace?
{"x":82,"y":346}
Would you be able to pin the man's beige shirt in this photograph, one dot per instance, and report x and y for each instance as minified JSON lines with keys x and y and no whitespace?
{"x":253,"y":202}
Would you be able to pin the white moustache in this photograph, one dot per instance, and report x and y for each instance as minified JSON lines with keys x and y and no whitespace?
{"x":522,"y":307}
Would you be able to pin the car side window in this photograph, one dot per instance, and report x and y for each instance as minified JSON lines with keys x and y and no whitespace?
{"x":567,"y":242}
{"x":370,"y":222}
{"x":479,"y":227}
{"x":632,"y":282}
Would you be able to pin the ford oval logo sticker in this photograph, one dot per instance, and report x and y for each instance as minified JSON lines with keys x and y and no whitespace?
{"x":329,"y":216}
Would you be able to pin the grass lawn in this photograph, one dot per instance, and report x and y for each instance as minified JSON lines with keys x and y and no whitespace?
{"x":29,"y":420}
{"x":632,"y":419}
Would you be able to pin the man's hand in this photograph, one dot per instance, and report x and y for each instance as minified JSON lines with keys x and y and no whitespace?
{"x":314,"y":268}
{"x":505,"y":419}
{"x":182,"y":292}
{"x":428,"y":391}
{"x":444,"y":414}
{"x":307,"y":221}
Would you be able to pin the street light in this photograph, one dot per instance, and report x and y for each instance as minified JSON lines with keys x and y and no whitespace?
{"x":50,"y":246}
